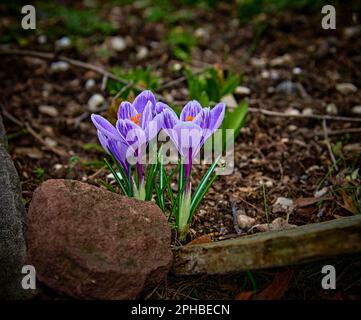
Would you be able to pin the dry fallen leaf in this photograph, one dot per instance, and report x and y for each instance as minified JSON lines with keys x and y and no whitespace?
{"x":305,"y":202}
{"x":348,"y":203}
{"x":202,"y":239}
{"x":244,"y":295}
{"x":277,"y":288}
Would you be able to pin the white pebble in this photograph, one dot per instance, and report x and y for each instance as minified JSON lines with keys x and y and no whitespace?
{"x":89,"y":84}
{"x":48,"y":110}
{"x":331,"y":108}
{"x":229,"y":101}
{"x":245,"y":222}
{"x":62,"y":43}
{"x":243,"y":91}
{"x":142,"y":53}
{"x":285,"y":203}
{"x":297,"y":71}
{"x":307,"y":112}
{"x":291,"y":111}
{"x":346,"y":88}
{"x":356,"y":109}
{"x":42,"y":39}
{"x":118,"y":43}
{"x":58,"y":166}
{"x":59,"y":66}
{"x":95,"y":101}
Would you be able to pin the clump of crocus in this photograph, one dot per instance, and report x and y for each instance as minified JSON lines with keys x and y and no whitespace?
{"x":137,"y":124}
{"x":189,"y":133}
{"x":140,"y":122}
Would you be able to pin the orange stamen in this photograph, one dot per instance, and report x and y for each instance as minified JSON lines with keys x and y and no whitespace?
{"x":136,"y":119}
{"x":189,"y":118}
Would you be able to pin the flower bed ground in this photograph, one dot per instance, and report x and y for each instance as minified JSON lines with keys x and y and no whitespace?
{"x":274,"y":156}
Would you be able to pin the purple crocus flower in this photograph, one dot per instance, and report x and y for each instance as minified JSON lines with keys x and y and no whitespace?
{"x":195,"y":126}
{"x":137,"y":124}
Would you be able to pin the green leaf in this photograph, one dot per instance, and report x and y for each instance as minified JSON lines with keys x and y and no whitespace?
{"x":116,"y":177}
{"x":204,"y":99}
{"x":230,"y":84}
{"x":195,"y":204}
{"x":199,"y":192}
{"x":150,"y":181}
{"x":124,"y":176}
{"x":235,"y":119}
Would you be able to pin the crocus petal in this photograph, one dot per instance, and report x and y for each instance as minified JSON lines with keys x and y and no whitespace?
{"x":126,"y":110}
{"x":170,"y":119}
{"x":161,"y":106}
{"x":146,"y":116}
{"x":103,"y":140}
{"x":105,"y":127}
{"x":187,"y":135}
{"x":119,"y":150}
{"x":191,"y":109}
{"x":217,"y":116}
{"x":154,"y":126}
{"x":142,"y":99}
{"x":203,"y":118}
{"x":124,"y":126}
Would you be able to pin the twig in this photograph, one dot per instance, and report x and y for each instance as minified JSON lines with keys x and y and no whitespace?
{"x":333,"y":132}
{"x":76,"y":63}
{"x":302,"y":116}
{"x":109,"y":75}
{"x":27,"y":126}
{"x":328,"y":144}
{"x":41,"y":140}
{"x":96,"y":174}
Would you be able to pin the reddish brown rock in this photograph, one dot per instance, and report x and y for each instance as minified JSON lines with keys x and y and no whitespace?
{"x":89,"y":243}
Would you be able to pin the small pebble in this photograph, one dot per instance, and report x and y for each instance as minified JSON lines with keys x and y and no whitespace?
{"x":118,"y":43}
{"x":229,"y":101}
{"x":111,"y":177}
{"x":282,"y":60}
{"x":243,"y":91}
{"x":95,"y":101}
{"x":89,"y":84}
{"x":356,"y":110}
{"x":142,"y":53}
{"x":331,"y":108}
{"x":346,"y":88}
{"x":58,"y":166}
{"x":49,"y":111}
{"x":285,"y":203}
{"x":42,"y":39}
{"x":59,"y":66}
{"x":287,"y":87}
{"x":297,"y":71}
{"x":177,"y":66}
{"x":63,"y":43}
{"x":291,"y":111}
{"x":258,"y":62}
{"x":321,"y":192}
{"x":245,"y":222}
{"x":307,"y":112}
{"x":50,"y":142}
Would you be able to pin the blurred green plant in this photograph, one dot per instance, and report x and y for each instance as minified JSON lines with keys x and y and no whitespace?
{"x":212,"y":84}
{"x":181,"y":43}
{"x":248,"y":9}
{"x":66,"y":20}
{"x":39,"y":173}
{"x":141,"y":77}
